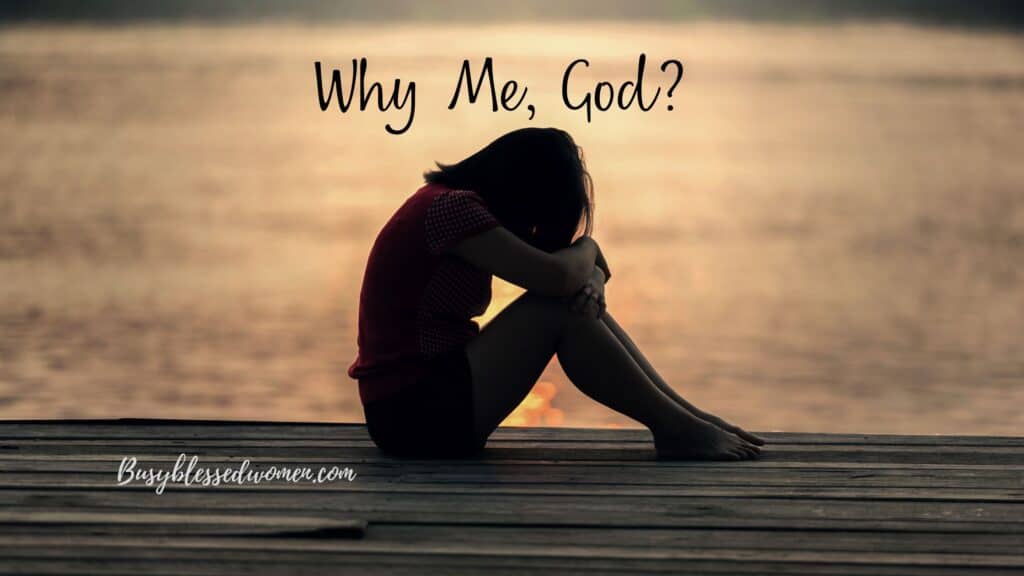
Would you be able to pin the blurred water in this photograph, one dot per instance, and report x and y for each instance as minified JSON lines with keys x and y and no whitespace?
{"x":825,"y":234}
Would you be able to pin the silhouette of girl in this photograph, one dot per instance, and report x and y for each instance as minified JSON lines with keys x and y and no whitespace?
{"x":432,"y":383}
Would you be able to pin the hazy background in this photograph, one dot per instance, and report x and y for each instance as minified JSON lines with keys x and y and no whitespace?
{"x":825,"y":234}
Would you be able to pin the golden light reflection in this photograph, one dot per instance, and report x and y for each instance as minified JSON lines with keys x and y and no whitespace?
{"x":502,"y":294}
{"x":536,"y":408}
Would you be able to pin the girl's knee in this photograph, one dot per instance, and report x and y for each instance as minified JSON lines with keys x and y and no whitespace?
{"x":561,"y":308}
{"x":557,"y":309}
{"x":545,"y":302}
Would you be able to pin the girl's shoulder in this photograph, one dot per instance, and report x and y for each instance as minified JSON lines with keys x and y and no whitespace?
{"x":435,"y":218}
{"x":421,"y":200}
{"x":434,"y":191}
{"x":452,"y":215}
{"x":438,"y":200}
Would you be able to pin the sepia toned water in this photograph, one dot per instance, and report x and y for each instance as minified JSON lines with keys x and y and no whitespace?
{"x":825,"y":234}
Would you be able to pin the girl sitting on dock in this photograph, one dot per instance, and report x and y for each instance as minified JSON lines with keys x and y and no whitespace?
{"x":432,"y":383}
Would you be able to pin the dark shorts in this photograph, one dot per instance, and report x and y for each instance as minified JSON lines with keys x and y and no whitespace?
{"x":432,"y":418}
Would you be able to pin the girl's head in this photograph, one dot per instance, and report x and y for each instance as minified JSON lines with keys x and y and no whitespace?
{"x":533,"y":180}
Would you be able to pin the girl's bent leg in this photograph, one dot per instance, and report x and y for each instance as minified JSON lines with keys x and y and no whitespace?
{"x":601,"y":367}
{"x":511,"y":352}
{"x":509,"y":355}
{"x":660,"y":382}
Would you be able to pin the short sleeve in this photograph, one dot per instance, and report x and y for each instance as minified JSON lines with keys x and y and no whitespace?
{"x":454,"y":216}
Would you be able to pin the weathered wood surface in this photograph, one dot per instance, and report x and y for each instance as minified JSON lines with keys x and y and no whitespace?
{"x":538,"y":500}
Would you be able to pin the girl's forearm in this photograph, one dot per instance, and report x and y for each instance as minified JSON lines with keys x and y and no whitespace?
{"x":578,"y":263}
{"x":601,"y":263}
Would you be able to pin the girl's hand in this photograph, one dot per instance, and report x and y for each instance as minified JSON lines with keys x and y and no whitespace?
{"x":590,"y":299}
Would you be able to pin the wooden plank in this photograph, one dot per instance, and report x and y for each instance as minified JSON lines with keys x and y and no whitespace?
{"x":189,"y":524}
{"x":509,"y":465}
{"x":195,"y":429}
{"x":297,"y":564}
{"x":326,"y":550}
{"x":411,"y":535}
{"x":998,"y":456}
{"x":43,"y":444}
{"x":493,"y":466}
{"x":700,"y":538}
{"x":65,"y":473}
{"x":538,"y":500}
{"x":96,"y":482}
{"x":557,"y":510}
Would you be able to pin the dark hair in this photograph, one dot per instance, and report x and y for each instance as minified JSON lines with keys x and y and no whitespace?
{"x":534,"y":181}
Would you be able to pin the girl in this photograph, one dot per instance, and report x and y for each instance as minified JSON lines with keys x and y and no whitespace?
{"x":434,"y":385}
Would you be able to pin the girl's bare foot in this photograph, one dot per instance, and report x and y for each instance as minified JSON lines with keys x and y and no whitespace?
{"x":711,"y":418}
{"x":703,"y":441}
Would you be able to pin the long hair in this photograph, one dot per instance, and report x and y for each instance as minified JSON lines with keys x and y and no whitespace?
{"x":534,"y":181}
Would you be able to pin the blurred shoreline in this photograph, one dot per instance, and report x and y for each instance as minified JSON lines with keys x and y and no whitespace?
{"x":989,"y":14}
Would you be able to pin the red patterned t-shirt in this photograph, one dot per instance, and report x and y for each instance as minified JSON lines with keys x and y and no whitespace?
{"x":417,"y":299}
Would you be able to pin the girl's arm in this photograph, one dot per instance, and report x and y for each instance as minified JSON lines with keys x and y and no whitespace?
{"x":602,"y":265}
{"x":503,"y":254}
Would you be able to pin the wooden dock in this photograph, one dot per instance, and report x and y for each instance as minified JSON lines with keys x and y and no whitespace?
{"x":538,"y":501}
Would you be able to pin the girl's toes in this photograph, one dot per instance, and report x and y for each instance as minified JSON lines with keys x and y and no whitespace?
{"x":747,"y":451}
{"x":753,"y":439}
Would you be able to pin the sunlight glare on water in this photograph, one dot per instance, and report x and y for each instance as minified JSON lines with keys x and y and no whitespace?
{"x":824,"y":235}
